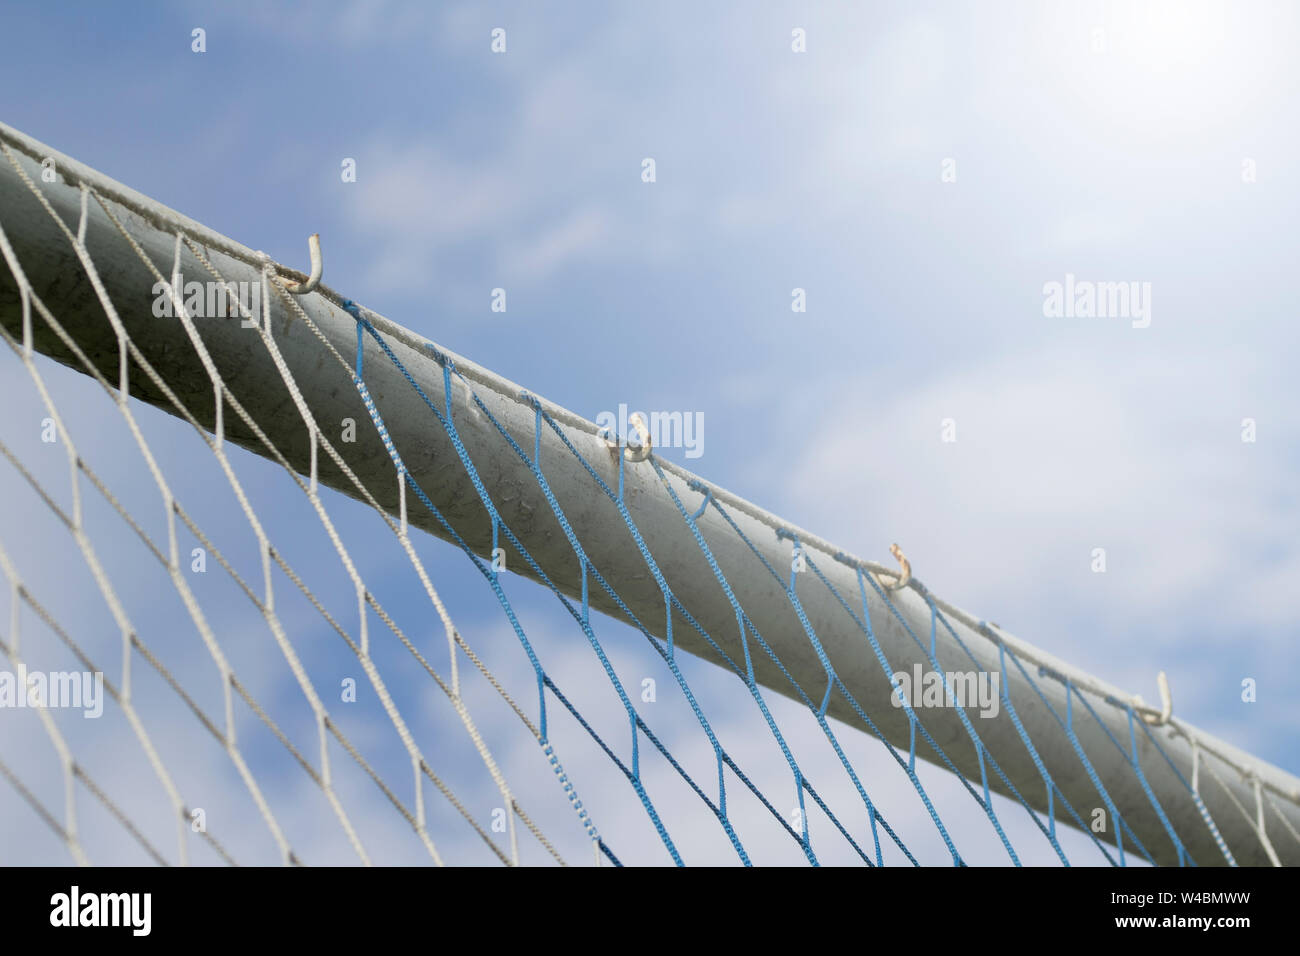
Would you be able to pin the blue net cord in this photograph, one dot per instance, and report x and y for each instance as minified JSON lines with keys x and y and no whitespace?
{"x":909,"y":766}
{"x":742,"y":620}
{"x":542,"y":679}
{"x":1196,"y":798}
{"x":1131,"y":757}
{"x":746,"y":629}
{"x":915,"y":723}
{"x":747,"y":624}
{"x":1183,"y":858}
{"x":583,"y":618}
{"x":1033,"y":753}
{"x":1067,"y":725}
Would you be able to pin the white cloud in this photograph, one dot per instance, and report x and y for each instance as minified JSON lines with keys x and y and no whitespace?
{"x":579,"y":234}
{"x":1057,"y":453}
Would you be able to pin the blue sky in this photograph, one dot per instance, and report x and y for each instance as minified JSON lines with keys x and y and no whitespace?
{"x":1111,"y":156}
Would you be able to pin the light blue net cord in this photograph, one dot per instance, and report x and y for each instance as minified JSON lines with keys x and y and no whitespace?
{"x":1067,"y":725}
{"x":914,"y":721}
{"x":747,"y":674}
{"x":747,"y":624}
{"x":909,"y":766}
{"x":547,"y":748}
{"x":1052,"y":790}
{"x":669,"y":655}
{"x":801,"y":783}
{"x":583,"y":618}
{"x":542,"y":679}
{"x":722,"y":758}
{"x":1033,"y":753}
{"x":1131,"y":756}
{"x":637,"y":725}
{"x":727,"y":760}
{"x":1184,"y":858}
{"x":981,"y":750}
{"x":1196,"y":798}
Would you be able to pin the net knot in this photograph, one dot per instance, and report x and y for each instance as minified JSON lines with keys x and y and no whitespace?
{"x":441,"y":357}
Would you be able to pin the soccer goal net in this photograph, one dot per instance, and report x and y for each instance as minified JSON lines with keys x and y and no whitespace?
{"x":354,"y":598}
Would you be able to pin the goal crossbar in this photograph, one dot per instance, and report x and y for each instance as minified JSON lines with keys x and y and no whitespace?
{"x":1144,"y":764}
